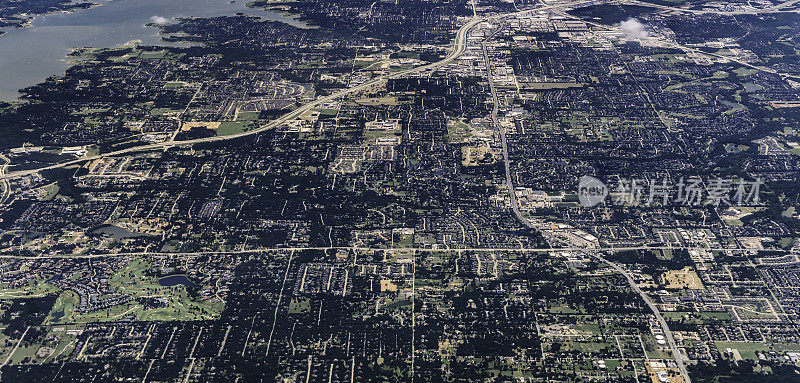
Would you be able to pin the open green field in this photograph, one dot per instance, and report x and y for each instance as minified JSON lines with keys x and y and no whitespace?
{"x":176,"y":302}
{"x":750,"y":350}
{"x":35,"y":288}
{"x":227,"y":128}
{"x":57,"y":345}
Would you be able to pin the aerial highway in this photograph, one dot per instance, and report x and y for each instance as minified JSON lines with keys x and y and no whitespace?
{"x":772,"y":9}
{"x":457,"y":48}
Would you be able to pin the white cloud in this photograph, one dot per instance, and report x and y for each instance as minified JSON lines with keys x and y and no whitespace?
{"x":633,"y":29}
{"x":159,"y":20}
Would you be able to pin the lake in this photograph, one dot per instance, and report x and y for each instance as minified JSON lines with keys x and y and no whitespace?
{"x":29,"y":55}
{"x":117,"y":232}
{"x":174,"y":280}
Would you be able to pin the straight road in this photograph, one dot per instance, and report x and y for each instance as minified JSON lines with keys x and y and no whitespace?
{"x":676,"y":353}
{"x":515,"y":208}
{"x":366,"y":249}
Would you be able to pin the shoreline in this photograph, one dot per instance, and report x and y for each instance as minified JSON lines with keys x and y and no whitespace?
{"x":72,"y":50}
{"x":28,"y":23}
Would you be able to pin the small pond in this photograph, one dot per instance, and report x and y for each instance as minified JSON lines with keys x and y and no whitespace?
{"x":174,"y":280}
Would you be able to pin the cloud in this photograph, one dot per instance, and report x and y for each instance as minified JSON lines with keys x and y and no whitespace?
{"x":633,"y":29}
{"x":159,"y":20}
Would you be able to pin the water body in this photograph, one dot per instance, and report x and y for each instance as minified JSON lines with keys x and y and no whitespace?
{"x":30,"y":55}
{"x":117,"y":232}
{"x":174,"y":280}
